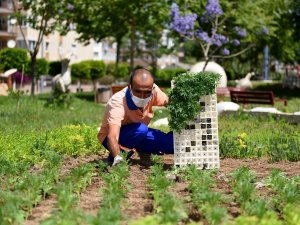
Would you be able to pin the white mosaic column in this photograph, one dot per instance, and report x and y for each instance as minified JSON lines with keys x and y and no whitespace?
{"x":198,"y":143}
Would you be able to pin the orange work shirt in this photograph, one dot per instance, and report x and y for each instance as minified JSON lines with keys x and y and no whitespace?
{"x":120,"y":110}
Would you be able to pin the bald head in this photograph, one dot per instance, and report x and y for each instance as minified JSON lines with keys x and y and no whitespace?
{"x":142,"y":76}
{"x":141,"y":83}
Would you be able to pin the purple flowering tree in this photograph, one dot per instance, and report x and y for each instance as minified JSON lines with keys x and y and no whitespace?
{"x":210,"y":30}
{"x":45,"y":16}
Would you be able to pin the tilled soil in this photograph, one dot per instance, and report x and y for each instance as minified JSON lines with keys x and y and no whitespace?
{"x":138,"y":203}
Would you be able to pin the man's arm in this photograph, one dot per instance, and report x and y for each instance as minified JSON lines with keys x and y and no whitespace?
{"x":161,"y":99}
{"x":113,"y":139}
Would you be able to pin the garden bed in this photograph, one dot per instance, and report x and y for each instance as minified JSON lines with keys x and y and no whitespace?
{"x":138,"y":203}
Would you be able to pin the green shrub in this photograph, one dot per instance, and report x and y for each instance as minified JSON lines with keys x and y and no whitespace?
{"x":276,"y":76}
{"x":184,"y":97}
{"x":74,"y":140}
{"x":122,"y":72}
{"x":54,"y":68}
{"x":80,"y":71}
{"x":168,"y":74}
{"x":13,"y":58}
{"x":41,"y":67}
{"x":107,"y":80}
{"x":110,"y":69}
{"x":97,"y":68}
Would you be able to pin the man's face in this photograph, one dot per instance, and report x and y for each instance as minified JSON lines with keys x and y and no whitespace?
{"x":142,"y":86}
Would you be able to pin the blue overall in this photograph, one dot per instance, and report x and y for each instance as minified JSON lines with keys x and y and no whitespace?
{"x":143,"y":138}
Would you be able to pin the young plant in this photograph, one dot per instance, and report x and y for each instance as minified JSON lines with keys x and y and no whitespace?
{"x":204,"y":199}
{"x":184,"y":97}
{"x":286,"y":190}
{"x":244,"y":190}
{"x":168,"y":208}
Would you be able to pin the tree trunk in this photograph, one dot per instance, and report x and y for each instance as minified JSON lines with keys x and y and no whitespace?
{"x":154,"y":63}
{"x":119,"y":39}
{"x":132,"y":46}
{"x":33,"y":82}
{"x":94,"y":85}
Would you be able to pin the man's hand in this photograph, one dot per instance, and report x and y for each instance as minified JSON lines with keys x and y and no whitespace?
{"x":118,"y":159}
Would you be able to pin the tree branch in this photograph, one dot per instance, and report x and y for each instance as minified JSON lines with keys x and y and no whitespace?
{"x":20,"y":26}
{"x":233,"y":55}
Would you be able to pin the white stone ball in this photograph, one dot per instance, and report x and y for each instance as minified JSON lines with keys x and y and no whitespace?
{"x":211,"y":67}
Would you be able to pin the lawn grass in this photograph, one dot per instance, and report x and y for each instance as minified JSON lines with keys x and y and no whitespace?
{"x":34,"y":117}
{"x":265,"y":136}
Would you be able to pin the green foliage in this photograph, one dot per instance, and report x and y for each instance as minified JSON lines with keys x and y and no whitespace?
{"x":97,"y":68}
{"x":27,"y":190}
{"x":121,"y":72}
{"x":89,"y":69}
{"x":242,"y":180}
{"x":184,"y":97}
{"x":17,"y":95}
{"x":291,"y":214}
{"x":148,"y":220}
{"x":59,"y":99}
{"x":239,"y":137}
{"x":13,"y":58}
{"x":80,"y":71}
{"x":204,"y":199}
{"x":67,"y":197}
{"x":270,"y":218}
{"x":168,"y":208}
{"x":163,"y":77}
{"x":113,"y":193}
{"x":107,"y":79}
{"x":168,"y":74}
{"x":284,"y":146}
{"x":286,"y":190}
{"x":74,"y":140}
{"x":54,"y":68}
{"x":41,"y":67}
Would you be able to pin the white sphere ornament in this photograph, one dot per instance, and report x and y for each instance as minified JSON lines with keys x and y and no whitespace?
{"x":211,"y":67}
{"x":11,"y":43}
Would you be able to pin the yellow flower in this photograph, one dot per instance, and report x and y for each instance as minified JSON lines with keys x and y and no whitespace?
{"x":77,"y":138}
{"x":243,"y":135}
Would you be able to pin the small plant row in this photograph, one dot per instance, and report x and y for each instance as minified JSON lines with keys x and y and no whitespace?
{"x":68,"y":194}
{"x":243,"y":185}
{"x":286,"y":190}
{"x":17,"y":202}
{"x":259,"y":211}
{"x":116,"y":187}
{"x":204,"y":199}
{"x":168,"y":208}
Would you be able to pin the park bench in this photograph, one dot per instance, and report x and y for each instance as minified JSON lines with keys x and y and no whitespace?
{"x":255,"y":97}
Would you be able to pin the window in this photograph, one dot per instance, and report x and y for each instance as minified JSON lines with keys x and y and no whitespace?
{"x":21,"y":44}
{"x":47,"y":46}
{"x":96,"y":55}
{"x":31,"y":45}
{"x":3,"y":23}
